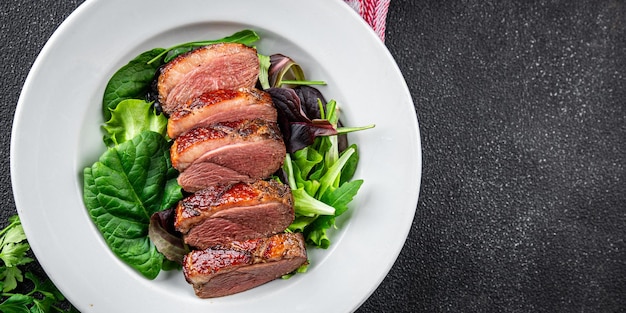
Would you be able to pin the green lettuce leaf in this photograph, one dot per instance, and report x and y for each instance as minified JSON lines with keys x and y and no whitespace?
{"x":306,"y":158}
{"x":123,"y":189}
{"x":131,"y":117}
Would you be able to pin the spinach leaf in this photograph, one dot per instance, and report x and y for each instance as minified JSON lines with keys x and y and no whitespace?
{"x":129,"y":183}
{"x":131,"y":81}
{"x":246,"y":37}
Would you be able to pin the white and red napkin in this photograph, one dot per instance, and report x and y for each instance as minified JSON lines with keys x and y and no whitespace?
{"x":374,"y":12}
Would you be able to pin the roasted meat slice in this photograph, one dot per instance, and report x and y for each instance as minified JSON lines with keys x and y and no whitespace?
{"x":239,"y":266}
{"x":217,"y":66}
{"x":247,"y":149}
{"x":242,"y":211}
{"x":222,"y":105}
{"x":206,"y":174}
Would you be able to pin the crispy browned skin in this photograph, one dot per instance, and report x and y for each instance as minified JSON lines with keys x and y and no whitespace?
{"x":197,"y":142}
{"x":242,"y":265}
{"x":192,"y":209}
{"x":223,"y":105}
{"x":227,"y":153}
{"x":213,"y":67}
{"x":241,"y":211}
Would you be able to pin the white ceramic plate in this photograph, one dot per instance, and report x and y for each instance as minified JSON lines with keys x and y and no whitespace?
{"x":56,"y":134}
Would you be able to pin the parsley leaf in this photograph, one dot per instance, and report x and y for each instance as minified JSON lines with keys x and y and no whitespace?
{"x":44,"y":297}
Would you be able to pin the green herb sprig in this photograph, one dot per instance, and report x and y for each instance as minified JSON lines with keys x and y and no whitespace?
{"x":44,"y":297}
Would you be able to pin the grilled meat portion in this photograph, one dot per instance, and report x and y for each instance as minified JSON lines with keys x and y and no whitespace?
{"x":242,"y":265}
{"x":206,"y":174}
{"x":247,"y":149}
{"x":226,"y":143}
{"x":242,"y":211}
{"x":213,"y":67}
{"x":222,"y":105}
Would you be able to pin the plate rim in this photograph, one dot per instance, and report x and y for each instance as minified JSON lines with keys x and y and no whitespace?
{"x":67,"y":24}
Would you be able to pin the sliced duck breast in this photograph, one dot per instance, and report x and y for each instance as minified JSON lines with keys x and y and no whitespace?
{"x":206,"y":174}
{"x":247,"y":149}
{"x":222,"y":105}
{"x":242,"y":211}
{"x":213,"y":67}
{"x":240,"y":266}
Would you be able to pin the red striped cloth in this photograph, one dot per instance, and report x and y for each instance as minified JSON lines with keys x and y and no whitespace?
{"x":374,"y":12}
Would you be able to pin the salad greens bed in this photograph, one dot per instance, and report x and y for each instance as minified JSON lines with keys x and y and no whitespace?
{"x":132,"y":186}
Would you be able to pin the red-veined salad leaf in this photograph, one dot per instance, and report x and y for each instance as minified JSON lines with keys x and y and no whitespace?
{"x":285,"y":71}
{"x":166,"y":239}
{"x":298,"y":129}
{"x":295,"y":108}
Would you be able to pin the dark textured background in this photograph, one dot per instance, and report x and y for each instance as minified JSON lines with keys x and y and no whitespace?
{"x":522,"y":110}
